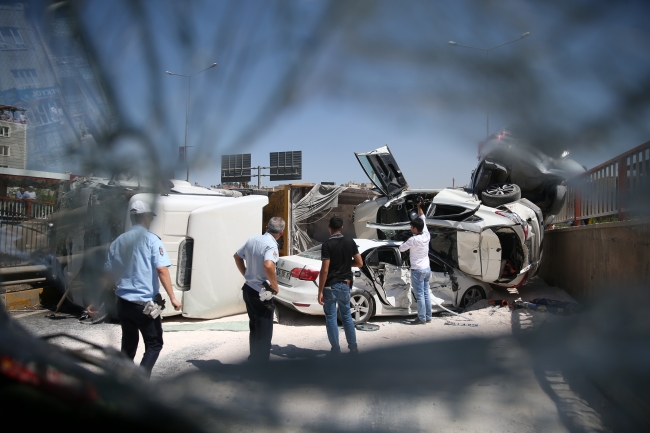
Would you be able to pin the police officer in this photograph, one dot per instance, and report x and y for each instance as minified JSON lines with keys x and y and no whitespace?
{"x":260,"y":254}
{"x":136,"y":260}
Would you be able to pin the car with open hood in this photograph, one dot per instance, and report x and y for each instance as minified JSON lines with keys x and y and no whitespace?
{"x":498,"y":245}
{"x":381,"y":287}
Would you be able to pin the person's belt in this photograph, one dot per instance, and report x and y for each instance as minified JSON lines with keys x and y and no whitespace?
{"x":135,"y":302}
{"x":346,"y":282}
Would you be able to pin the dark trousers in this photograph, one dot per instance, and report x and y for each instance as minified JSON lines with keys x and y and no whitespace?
{"x":260,"y":324}
{"x":133,"y":321}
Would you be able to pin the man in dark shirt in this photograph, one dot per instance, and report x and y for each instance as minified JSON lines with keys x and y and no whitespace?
{"x":338,"y":255}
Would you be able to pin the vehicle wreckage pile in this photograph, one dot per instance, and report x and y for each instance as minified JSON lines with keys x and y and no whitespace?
{"x":490,"y":234}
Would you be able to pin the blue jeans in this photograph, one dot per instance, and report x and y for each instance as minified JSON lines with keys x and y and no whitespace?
{"x":339,"y":294}
{"x":420,"y":282}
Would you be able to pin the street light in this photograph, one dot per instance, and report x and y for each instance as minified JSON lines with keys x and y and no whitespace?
{"x":487,"y":57}
{"x":187,"y":111}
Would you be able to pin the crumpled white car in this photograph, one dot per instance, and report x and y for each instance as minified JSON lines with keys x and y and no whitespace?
{"x":381,"y":287}
{"x":498,"y":245}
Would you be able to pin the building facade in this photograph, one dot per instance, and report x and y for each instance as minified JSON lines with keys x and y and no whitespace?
{"x":46,"y":73}
{"x":13,"y":138}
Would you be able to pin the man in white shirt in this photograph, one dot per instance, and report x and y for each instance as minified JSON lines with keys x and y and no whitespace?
{"x":418,"y":244}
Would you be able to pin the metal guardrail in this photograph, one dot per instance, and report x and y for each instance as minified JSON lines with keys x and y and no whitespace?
{"x":603,"y":190}
{"x":17,"y":209}
{"x":19,"y":239}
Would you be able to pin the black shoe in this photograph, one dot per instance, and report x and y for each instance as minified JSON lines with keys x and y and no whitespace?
{"x":416,"y":321}
{"x":354,"y":351}
{"x":429,"y":320}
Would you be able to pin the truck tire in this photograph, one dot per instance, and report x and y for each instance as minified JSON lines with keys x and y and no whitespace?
{"x":500,"y":193}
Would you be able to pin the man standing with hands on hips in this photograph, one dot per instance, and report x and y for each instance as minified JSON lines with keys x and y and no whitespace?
{"x":420,"y":267}
{"x":256,"y":261}
{"x":338,"y":254}
{"x":136,"y":260}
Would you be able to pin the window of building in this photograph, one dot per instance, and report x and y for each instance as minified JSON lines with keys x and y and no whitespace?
{"x":4,"y":150}
{"x":25,"y":78}
{"x":4,"y":131}
{"x":10,"y":39}
{"x":47,"y":111}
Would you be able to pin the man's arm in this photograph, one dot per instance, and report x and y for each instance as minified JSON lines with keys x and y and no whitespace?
{"x":240,"y":264}
{"x":166,"y":281}
{"x":357,"y":261}
{"x":425,"y":229}
{"x":406,"y":245}
{"x":269,"y":270}
{"x":322,"y":277}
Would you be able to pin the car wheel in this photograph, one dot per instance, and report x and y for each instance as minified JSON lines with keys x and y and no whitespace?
{"x":471,"y":295}
{"x":500,"y":193}
{"x":558,"y":200}
{"x":362,"y":307}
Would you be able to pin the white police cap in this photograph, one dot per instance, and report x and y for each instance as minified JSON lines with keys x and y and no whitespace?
{"x":140,"y":207}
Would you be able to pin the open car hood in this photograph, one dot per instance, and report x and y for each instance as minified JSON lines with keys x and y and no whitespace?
{"x":382,"y":170}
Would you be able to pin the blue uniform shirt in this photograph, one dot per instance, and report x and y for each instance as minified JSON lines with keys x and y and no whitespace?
{"x":256,"y":251}
{"x":133,"y":259}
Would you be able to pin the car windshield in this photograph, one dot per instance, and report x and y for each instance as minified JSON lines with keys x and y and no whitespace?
{"x":312,"y":253}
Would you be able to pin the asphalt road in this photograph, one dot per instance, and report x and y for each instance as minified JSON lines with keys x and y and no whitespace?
{"x":505,"y":375}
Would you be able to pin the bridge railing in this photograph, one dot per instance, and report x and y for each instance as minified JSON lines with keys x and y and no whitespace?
{"x":604,"y":191}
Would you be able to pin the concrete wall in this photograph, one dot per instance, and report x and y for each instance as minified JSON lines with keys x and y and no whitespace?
{"x":587,"y":260}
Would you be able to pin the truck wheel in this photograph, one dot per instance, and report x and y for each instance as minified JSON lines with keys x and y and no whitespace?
{"x":500,"y":193}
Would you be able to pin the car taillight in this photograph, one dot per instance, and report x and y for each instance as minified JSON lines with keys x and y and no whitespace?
{"x":305,"y":274}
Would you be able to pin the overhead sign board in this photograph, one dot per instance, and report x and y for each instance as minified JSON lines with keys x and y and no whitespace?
{"x":286,"y":165}
{"x":236,"y":168}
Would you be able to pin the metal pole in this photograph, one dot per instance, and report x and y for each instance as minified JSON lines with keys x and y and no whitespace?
{"x":187,"y":112}
{"x":187,"y":119}
{"x":259,"y":177}
{"x":487,"y":129}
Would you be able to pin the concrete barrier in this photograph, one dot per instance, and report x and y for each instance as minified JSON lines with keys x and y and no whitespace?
{"x":20,"y":298}
{"x":586,"y":260}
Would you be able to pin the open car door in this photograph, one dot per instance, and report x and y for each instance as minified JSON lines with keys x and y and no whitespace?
{"x":392,"y":281}
{"x":382,"y":170}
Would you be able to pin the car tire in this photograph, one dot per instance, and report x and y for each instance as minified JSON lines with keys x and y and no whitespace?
{"x":471,"y":295}
{"x":500,"y":193}
{"x":558,"y":200}
{"x":362,"y":307}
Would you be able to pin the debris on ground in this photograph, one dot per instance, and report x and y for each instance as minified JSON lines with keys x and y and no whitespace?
{"x":366,"y":327}
{"x":550,"y":305}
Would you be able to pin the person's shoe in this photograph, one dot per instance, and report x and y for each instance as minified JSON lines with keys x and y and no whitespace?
{"x":429,"y":320}
{"x":416,"y":321}
{"x":354,"y":351}
{"x":334,"y":354}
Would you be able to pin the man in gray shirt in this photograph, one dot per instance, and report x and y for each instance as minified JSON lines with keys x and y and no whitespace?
{"x":256,"y":261}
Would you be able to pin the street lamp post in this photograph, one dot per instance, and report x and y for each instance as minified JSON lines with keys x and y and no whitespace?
{"x":187,"y":112}
{"x":487,"y":57}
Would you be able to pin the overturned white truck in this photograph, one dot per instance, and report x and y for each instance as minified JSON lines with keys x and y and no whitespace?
{"x":201,"y":233}
{"x":200,"y":228}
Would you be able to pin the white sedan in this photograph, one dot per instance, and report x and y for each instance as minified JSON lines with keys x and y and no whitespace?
{"x":381,"y":287}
